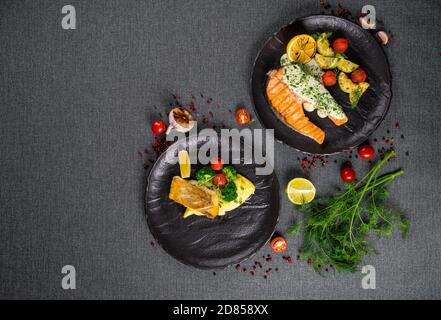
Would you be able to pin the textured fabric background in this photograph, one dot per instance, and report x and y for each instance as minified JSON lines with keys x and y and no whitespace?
{"x":75,"y":108}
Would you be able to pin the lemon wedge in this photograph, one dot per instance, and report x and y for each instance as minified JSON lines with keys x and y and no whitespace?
{"x":300,"y":191}
{"x":301,"y":48}
{"x":184,"y":164}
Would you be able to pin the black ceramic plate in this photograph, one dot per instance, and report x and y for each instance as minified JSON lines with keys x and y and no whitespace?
{"x":363,"y":120}
{"x":202,"y":242}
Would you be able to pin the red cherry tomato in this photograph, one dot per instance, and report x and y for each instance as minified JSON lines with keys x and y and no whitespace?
{"x":340,"y":45}
{"x":358,"y":76}
{"x":347,"y":174}
{"x":329,"y":78}
{"x":279,"y":244}
{"x":219,"y":180}
{"x":242,"y":116}
{"x":158,"y":127}
{"x":366,"y":152}
{"x":216,"y":164}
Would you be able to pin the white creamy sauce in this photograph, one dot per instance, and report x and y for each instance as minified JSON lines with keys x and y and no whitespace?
{"x":304,"y":81}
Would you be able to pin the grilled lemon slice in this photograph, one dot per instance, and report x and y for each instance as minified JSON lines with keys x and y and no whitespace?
{"x":301,"y":48}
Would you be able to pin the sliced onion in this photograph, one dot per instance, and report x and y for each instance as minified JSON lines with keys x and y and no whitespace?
{"x":383,"y":37}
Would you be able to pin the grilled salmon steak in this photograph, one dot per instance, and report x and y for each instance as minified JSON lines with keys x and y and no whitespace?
{"x":338,"y":122}
{"x":289,"y":108}
{"x":194,"y":196}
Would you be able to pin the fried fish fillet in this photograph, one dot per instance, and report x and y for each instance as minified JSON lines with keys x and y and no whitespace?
{"x":194,"y":196}
{"x":245,"y":189}
{"x":289,"y":108}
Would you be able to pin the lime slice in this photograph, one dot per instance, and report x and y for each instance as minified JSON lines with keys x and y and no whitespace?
{"x":184,"y":164}
{"x":300,"y":191}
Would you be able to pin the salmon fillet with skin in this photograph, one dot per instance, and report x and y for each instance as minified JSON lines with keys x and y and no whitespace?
{"x":336,"y":121}
{"x":289,"y":108}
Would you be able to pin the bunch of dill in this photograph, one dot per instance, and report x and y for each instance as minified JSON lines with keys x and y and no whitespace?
{"x":336,"y":229}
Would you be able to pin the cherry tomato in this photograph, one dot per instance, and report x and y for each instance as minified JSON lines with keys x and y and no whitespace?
{"x":242,"y":116}
{"x":366,"y":152}
{"x":340,"y":45}
{"x":358,"y":76}
{"x":279,"y":244}
{"x":329,"y":78}
{"x":158,"y":127}
{"x":216,"y":164}
{"x":347,"y":174}
{"x":219,"y":180}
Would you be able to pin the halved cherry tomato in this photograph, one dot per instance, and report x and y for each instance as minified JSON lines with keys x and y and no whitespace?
{"x":340,"y":45}
{"x":358,"y":76}
{"x":242,"y":116}
{"x":366,"y":152}
{"x":347,"y":174}
{"x":216,"y":164}
{"x":279,"y":244}
{"x":158,"y":126}
{"x":219,"y":180}
{"x":329,"y":78}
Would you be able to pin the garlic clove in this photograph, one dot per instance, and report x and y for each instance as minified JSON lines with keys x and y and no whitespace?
{"x":181,"y":120}
{"x":366,"y":22}
{"x":382,"y":37}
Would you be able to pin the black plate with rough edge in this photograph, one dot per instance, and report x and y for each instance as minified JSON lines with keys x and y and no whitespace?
{"x":363,"y":120}
{"x":210,"y":243}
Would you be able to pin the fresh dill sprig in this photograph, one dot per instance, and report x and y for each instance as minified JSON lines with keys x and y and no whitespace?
{"x":336,"y":229}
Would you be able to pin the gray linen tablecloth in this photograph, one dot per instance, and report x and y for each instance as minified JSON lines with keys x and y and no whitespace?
{"x":75,"y":110}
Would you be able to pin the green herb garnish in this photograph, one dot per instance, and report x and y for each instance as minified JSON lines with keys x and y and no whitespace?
{"x":229,"y":172}
{"x":229,"y":192}
{"x":204,"y":176}
{"x":336,"y":229}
